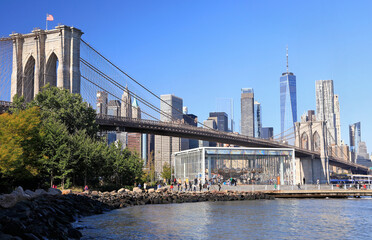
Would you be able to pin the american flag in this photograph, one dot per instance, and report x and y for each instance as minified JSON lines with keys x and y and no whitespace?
{"x":49,"y":17}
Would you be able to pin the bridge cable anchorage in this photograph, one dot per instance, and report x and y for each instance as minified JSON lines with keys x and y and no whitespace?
{"x":119,"y":69}
{"x":115,"y":96}
{"x":118,"y":85}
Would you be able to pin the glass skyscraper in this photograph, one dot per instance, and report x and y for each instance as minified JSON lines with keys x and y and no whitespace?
{"x":257,"y":120}
{"x":288,"y":101}
{"x":355,"y":135}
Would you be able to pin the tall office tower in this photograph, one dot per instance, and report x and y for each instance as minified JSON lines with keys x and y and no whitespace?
{"x":288,"y":101}
{"x":325,"y":108}
{"x":362,"y":151}
{"x":165,"y":146}
{"x":126,"y":111}
{"x":221,"y":120}
{"x":113,"y":108}
{"x":126,"y":104}
{"x":257,"y":120}
{"x":191,"y":120}
{"x":337,"y":121}
{"x":135,"y":139}
{"x":355,"y":136}
{"x":172,"y":106}
{"x":267,"y":133}
{"x":102,"y":101}
{"x":210,"y":123}
{"x":247,"y":112}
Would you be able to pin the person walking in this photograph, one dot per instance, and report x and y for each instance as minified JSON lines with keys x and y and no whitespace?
{"x":190,"y":186}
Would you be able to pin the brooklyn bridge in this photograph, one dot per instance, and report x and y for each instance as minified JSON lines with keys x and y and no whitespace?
{"x":60,"y":57}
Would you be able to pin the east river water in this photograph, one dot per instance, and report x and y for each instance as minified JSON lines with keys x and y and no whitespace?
{"x":258,"y":219}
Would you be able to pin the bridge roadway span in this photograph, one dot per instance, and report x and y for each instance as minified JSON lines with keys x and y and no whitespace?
{"x":112,"y":123}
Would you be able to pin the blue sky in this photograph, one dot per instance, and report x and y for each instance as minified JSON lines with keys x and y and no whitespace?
{"x":206,"y":50}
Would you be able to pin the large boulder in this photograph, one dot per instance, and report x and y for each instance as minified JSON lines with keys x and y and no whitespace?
{"x":94,"y":193}
{"x":39,"y":192}
{"x":121,"y":190}
{"x":31,"y":193}
{"x":137,"y":190}
{"x":54,"y":192}
{"x":21,"y":195}
{"x":8,"y":200}
{"x":151,"y":190}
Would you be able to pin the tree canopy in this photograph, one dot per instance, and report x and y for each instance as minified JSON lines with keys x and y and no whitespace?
{"x":55,"y":137}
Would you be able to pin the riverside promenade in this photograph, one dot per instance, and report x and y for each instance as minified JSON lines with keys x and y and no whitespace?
{"x":305,"y":191}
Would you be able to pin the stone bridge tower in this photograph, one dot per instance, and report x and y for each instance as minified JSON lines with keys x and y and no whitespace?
{"x":46,"y":56}
{"x":310,"y":135}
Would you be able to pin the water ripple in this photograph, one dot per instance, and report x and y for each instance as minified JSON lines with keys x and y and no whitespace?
{"x":264,"y":219}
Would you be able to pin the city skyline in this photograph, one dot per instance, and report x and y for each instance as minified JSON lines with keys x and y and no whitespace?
{"x":250,"y":52}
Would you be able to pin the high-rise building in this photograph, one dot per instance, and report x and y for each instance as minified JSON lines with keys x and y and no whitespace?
{"x":135,"y":143}
{"x":288,"y":101}
{"x":126,"y":104}
{"x":165,"y":146}
{"x":325,"y":108}
{"x":247,"y":112}
{"x":172,"y":106}
{"x":221,"y":120}
{"x":257,"y":120}
{"x":362,"y":151}
{"x":102,"y":101}
{"x":267,"y":133}
{"x":355,"y":136}
{"x":337,"y":120}
{"x":211,"y":124}
{"x":113,"y":108}
{"x":191,"y":120}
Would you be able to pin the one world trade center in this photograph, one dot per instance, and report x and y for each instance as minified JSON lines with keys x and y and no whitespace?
{"x":288,"y":103}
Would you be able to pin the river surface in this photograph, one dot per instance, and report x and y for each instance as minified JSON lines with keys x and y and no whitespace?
{"x":257,"y":219}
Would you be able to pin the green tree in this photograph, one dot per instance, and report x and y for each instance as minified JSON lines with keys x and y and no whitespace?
{"x":167,"y":171}
{"x":20,"y":149}
{"x":56,"y":150}
{"x":70,"y":109}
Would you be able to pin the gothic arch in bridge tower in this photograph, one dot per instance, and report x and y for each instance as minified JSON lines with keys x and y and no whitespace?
{"x":56,"y":57}
{"x":51,"y":70}
{"x":305,"y":141}
{"x":316,"y":141}
{"x":28,"y":79}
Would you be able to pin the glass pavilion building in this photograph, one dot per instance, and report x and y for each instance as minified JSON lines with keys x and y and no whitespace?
{"x":247,"y":165}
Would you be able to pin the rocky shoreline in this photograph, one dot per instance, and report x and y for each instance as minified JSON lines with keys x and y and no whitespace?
{"x":48,"y":215}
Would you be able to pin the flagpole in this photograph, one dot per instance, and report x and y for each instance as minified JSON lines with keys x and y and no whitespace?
{"x":46,"y":21}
